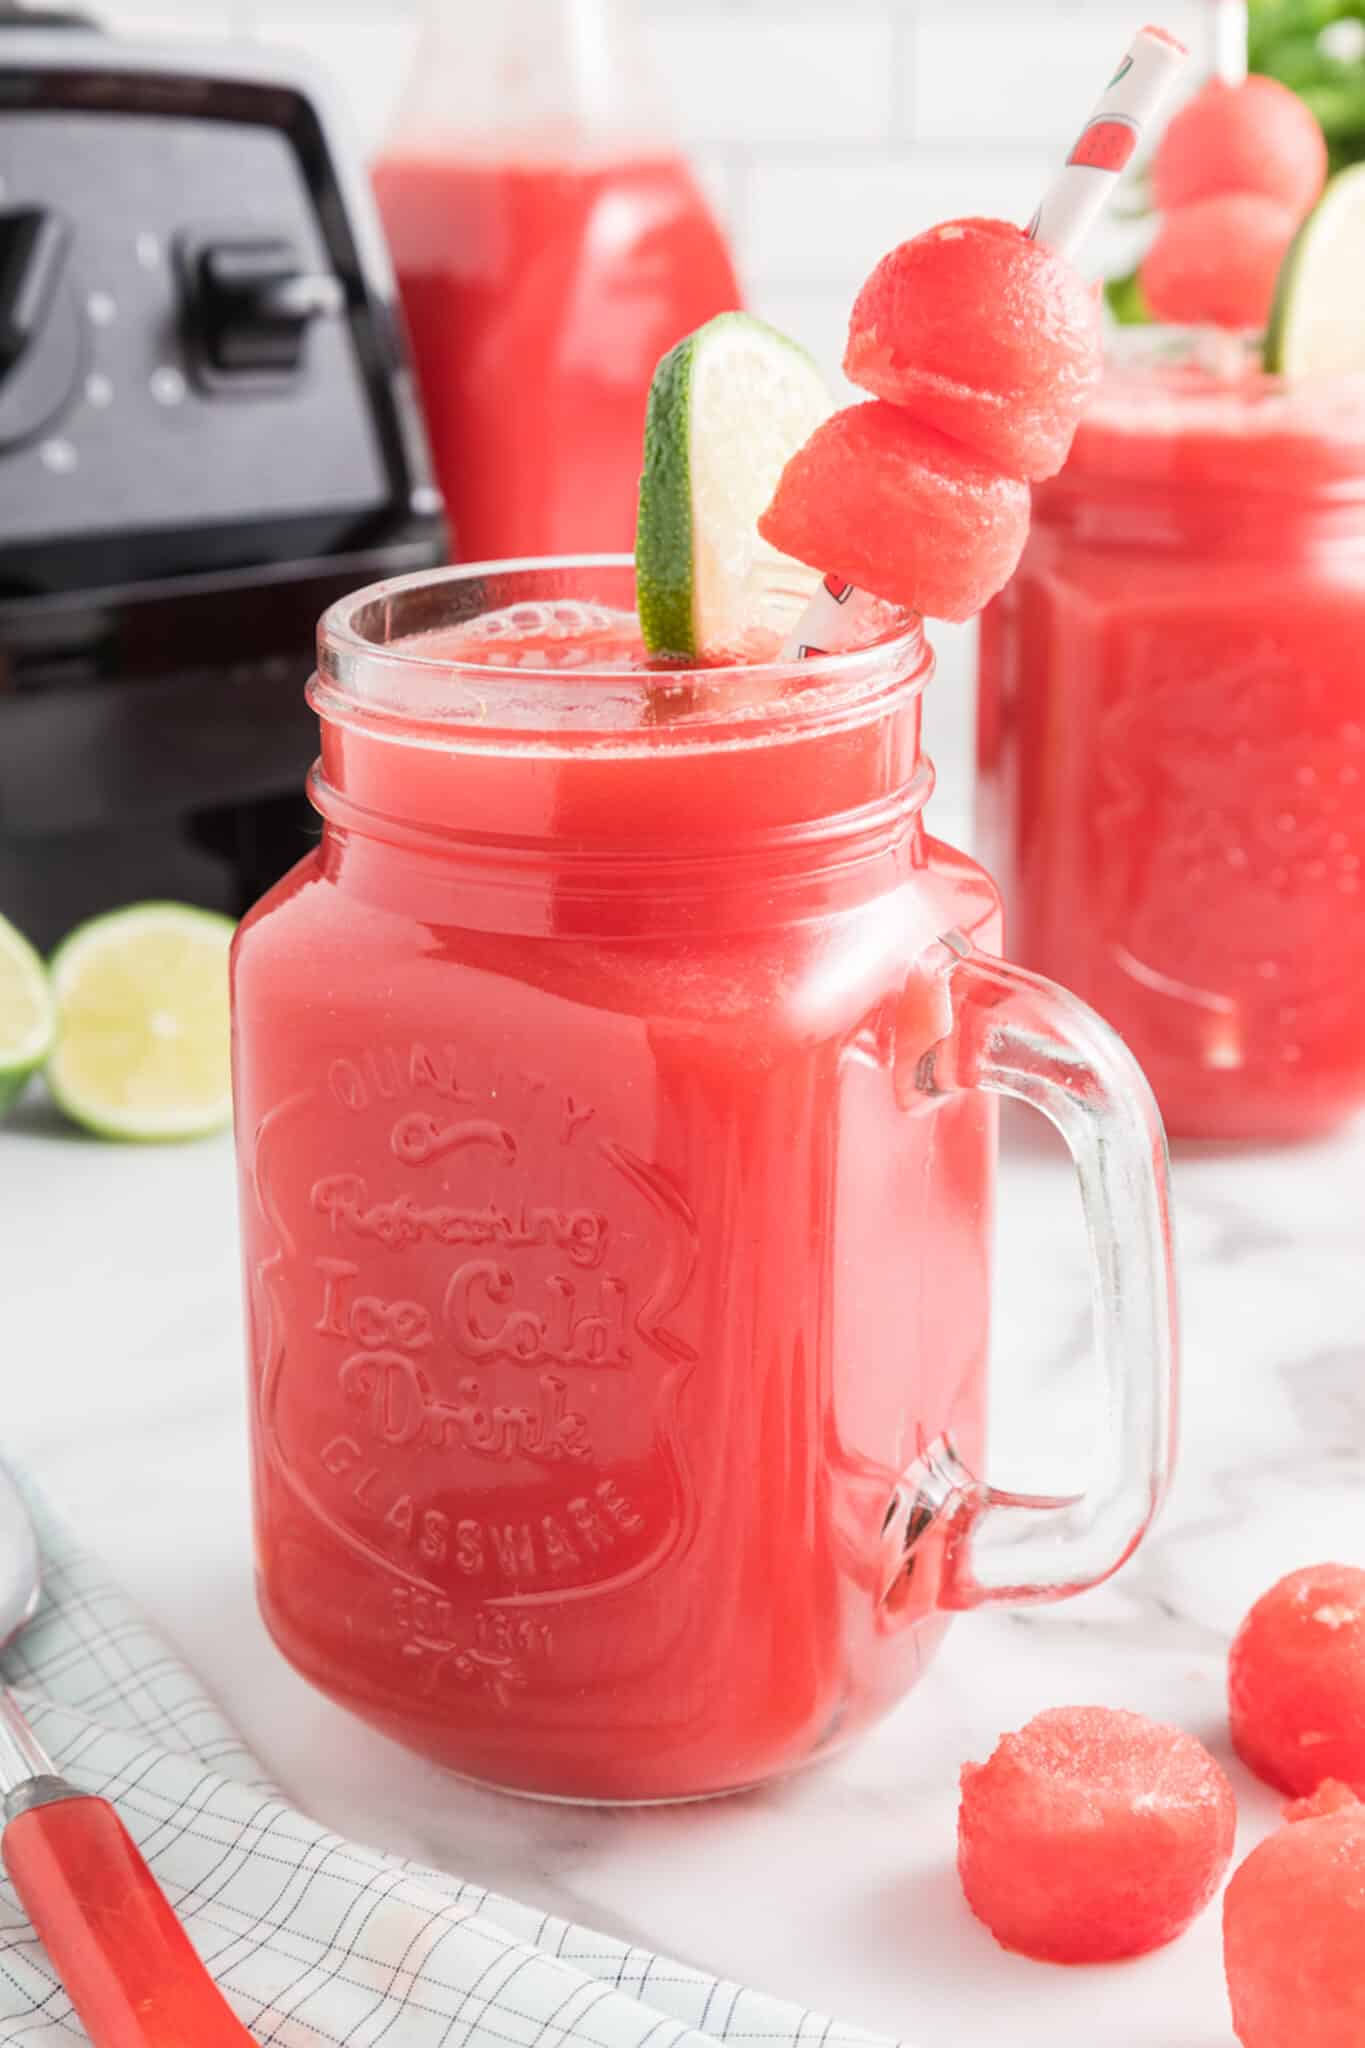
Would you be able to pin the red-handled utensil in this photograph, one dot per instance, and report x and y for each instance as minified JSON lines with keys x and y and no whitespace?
{"x":128,"y":1965}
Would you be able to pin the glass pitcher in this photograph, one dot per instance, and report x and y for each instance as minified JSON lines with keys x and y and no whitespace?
{"x":550,"y":243}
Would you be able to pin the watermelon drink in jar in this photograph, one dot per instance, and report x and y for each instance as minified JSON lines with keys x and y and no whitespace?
{"x":1172,"y":740}
{"x":1172,"y":696}
{"x":617,"y":1140}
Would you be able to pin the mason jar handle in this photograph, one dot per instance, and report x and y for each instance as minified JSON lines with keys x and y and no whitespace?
{"x":1014,"y":1033}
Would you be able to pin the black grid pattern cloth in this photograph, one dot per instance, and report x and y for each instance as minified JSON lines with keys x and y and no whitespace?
{"x":315,"y":1941}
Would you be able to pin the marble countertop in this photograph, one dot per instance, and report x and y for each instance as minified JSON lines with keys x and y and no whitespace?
{"x":123,"y":1392}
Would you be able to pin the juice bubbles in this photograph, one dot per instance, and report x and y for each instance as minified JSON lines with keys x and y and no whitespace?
{"x":1172,"y":742}
{"x":616,"y":1243}
{"x":549,"y":248}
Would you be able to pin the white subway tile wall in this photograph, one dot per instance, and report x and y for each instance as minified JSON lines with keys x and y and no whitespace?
{"x":824,"y":131}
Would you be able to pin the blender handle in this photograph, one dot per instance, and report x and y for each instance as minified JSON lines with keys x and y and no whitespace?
{"x":1014,"y":1033}
{"x":129,"y":1968}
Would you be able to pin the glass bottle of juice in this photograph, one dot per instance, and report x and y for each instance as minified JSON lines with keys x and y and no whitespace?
{"x":550,"y":245}
{"x":1172,"y":738}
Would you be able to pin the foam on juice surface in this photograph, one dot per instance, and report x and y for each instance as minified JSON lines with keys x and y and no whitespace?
{"x":554,"y":633}
{"x":1186,"y":399}
{"x":576,"y":633}
{"x":560,"y":676}
{"x":1171,"y":383}
{"x":1177,"y":419}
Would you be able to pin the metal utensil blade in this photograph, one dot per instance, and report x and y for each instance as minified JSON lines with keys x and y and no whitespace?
{"x":19,"y":1565}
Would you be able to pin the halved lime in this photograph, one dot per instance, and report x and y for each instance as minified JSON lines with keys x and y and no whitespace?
{"x":26,"y":1013}
{"x":728,"y":407}
{"x":1317,"y":324}
{"x":142,"y":1022}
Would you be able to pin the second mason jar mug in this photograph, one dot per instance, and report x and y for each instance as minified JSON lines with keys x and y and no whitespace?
{"x":615,"y":1105}
{"x":1172,"y":737}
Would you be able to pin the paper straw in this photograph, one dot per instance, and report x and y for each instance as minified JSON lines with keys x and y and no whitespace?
{"x":1230,"y":41}
{"x":1108,"y":142}
{"x":1071,"y":205}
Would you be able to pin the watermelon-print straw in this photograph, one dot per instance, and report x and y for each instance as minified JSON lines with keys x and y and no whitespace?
{"x":1108,"y":142}
{"x":1071,"y":205}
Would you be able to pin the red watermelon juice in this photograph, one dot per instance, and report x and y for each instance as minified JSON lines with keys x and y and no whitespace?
{"x":539,"y":294}
{"x":603,"y":1282}
{"x":1172,"y":742}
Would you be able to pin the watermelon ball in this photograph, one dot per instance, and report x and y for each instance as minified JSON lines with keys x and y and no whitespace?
{"x":1093,"y":1834}
{"x":985,"y":335}
{"x":1218,"y":261}
{"x":901,"y":511}
{"x":1294,"y":1936}
{"x":1296,"y":1681}
{"x":1254,"y":137}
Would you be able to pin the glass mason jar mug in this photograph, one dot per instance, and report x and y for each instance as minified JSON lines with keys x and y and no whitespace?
{"x":1172,"y":738}
{"x":614,"y":1088}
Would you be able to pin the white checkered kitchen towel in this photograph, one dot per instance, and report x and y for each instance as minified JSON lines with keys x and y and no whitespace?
{"x":314,"y":1940}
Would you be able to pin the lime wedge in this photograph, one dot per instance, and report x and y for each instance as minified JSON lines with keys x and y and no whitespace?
{"x":1317,"y":324}
{"x":727,"y":408}
{"x":26,"y":1014}
{"x":142,"y":1022}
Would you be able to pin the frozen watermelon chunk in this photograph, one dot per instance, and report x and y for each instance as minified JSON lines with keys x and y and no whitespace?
{"x":1218,"y":260}
{"x":1296,"y":1681}
{"x":1331,"y":1797}
{"x":1093,"y":1834}
{"x":985,"y":335}
{"x":901,"y":511}
{"x":1254,"y":137}
{"x":1294,"y":1935}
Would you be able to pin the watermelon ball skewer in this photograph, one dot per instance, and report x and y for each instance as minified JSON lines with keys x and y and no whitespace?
{"x":1254,"y":137}
{"x":1236,"y":173}
{"x":904,"y":510}
{"x":1216,"y":262}
{"x":981,"y":346}
{"x":984,"y":348}
{"x":990,"y":337}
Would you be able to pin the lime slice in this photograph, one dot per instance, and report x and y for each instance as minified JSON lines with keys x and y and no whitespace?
{"x":727,"y":408}
{"x":1317,"y":324}
{"x":26,"y":1014}
{"x":142,"y":1022}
